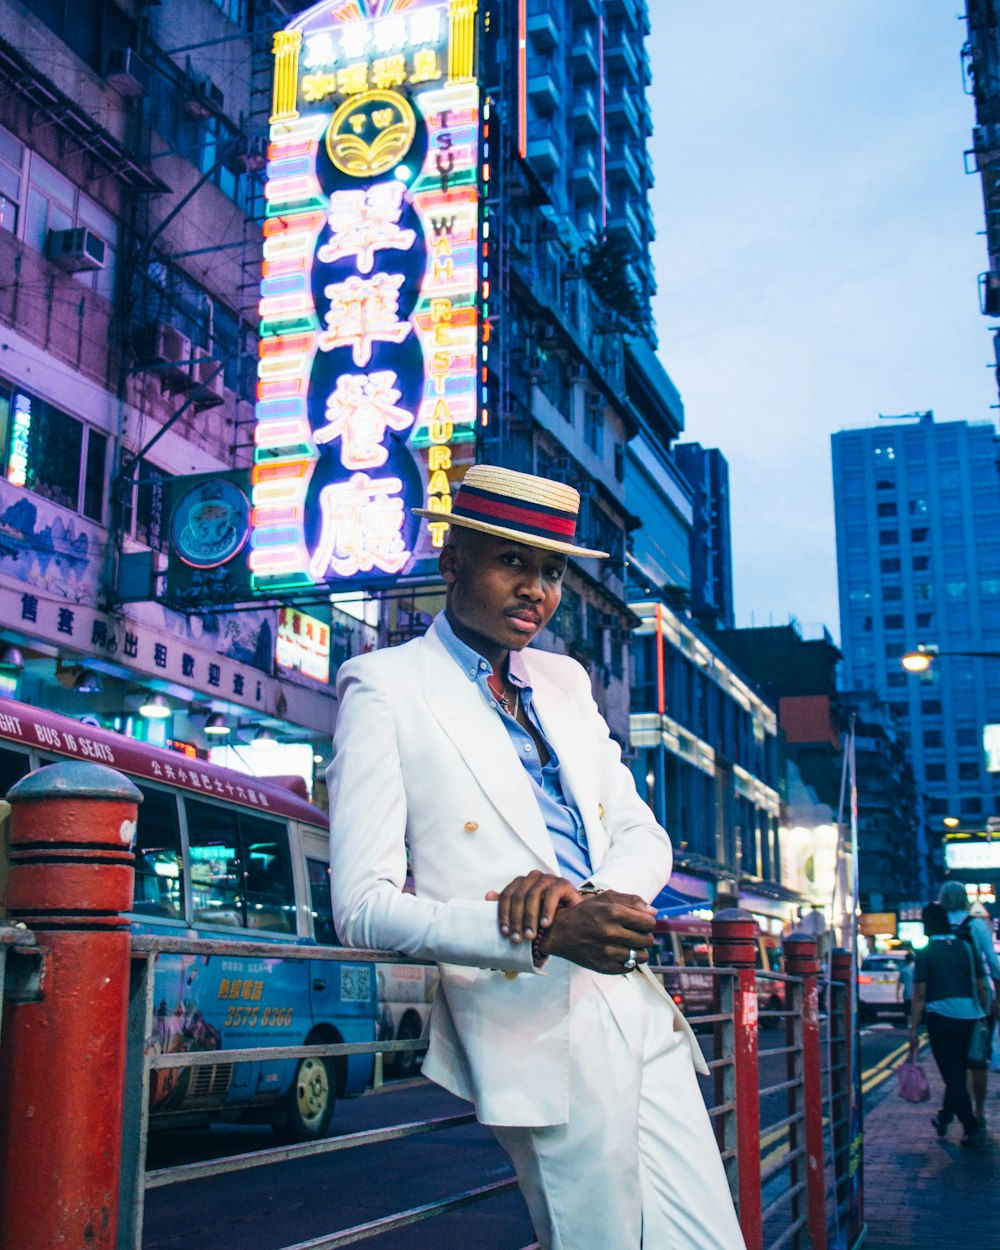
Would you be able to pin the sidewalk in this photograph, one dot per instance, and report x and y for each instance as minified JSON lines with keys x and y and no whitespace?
{"x":926,"y":1194}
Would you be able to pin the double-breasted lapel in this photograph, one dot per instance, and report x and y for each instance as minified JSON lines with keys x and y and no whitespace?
{"x":479,"y":736}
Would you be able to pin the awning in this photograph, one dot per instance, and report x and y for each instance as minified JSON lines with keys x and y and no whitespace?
{"x":671,"y":902}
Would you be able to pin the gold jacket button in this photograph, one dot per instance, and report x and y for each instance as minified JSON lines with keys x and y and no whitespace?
{"x":600,"y":811}
{"x":512,"y":976}
{"x":471,"y":826}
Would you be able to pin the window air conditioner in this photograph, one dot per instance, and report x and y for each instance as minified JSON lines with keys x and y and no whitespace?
{"x":206,"y":372}
{"x":166,"y":352}
{"x":127,"y":73}
{"x":202,"y":98}
{"x":75,"y":250}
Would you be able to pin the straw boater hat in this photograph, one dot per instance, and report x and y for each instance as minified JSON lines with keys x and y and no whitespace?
{"x":531,"y":510}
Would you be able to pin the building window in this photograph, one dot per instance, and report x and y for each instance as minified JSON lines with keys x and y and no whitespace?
{"x":892,"y":594}
{"x":53,"y":454}
{"x":896,"y":679}
{"x":885,"y":484}
{"x":887,"y":509}
{"x":932,"y":707}
{"x":918,"y":507}
{"x":11,"y":161}
{"x":933,"y":738}
{"x":921,"y":564}
{"x":968,"y":772}
{"x":934,"y":772}
{"x":889,"y":538}
{"x":593,"y":428}
{"x":924,"y":619}
{"x":967,"y":737}
{"x":890,"y":565}
{"x":893,"y":622}
{"x":46,"y":200}
{"x":919,"y":535}
{"x":971,"y":807}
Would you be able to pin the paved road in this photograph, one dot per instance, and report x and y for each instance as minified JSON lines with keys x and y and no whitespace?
{"x":269,"y":1208}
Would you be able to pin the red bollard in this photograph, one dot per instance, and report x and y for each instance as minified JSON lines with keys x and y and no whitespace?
{"x":734,"y":944}
{"x":62,"y":1062}
{"x":801,"y":961}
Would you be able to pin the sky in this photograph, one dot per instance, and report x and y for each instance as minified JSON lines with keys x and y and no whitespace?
{"x":818,"y":246}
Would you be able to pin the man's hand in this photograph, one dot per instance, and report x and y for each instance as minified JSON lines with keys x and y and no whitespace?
{"x":600,"y":932}
{"x":527,"y":906}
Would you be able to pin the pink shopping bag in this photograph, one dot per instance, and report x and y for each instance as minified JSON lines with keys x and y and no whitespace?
{"x":912,"y":1080}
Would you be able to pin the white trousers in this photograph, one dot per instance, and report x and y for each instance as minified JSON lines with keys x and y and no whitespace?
{"x":637,"y":1166}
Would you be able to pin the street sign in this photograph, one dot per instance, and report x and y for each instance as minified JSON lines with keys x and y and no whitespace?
{"x":877,"y":924}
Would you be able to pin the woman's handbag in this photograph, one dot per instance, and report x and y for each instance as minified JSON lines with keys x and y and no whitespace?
{"x":980,"y":1043}
{"x":911,"y":1079}
{"x":981,"y":1038}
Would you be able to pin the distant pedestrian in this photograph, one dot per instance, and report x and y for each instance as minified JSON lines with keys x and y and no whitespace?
{"x":906,"y":980}
{"x":949,"y":992}
{"x":976,"y":930}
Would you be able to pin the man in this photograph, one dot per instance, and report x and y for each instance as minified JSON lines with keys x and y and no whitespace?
{"x":533,"y":863}
{"x":977,"y":931}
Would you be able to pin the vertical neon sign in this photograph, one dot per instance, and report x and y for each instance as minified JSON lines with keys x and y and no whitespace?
{"x":372,"y":371}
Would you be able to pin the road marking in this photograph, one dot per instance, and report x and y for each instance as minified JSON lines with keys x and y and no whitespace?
{"x":870,"y":1079}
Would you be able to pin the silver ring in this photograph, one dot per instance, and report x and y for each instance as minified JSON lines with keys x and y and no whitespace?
{"x":631,"y":963}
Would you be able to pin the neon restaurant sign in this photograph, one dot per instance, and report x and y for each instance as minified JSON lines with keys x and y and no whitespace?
{"x":373,"y":307}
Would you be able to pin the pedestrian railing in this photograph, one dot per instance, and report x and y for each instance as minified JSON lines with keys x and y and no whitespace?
{"x":778,"y":1089}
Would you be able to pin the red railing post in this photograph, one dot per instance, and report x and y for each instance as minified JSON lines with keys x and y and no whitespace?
{"x":801,"y":961}
{"x":734,"y":945}
{"x":62,"y":1062}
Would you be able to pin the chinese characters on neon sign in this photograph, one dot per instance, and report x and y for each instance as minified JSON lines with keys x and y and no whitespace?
{"x":373,"y":328}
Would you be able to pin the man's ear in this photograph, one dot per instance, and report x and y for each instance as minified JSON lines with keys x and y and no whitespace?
{"x":448,"y":563}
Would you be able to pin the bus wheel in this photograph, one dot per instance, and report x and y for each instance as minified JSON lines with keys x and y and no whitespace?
{"x":307,"y":1108}
{"x":407,"y":1062}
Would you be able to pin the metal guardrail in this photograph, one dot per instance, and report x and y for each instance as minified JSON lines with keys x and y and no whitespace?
{"x":781,"y":1161}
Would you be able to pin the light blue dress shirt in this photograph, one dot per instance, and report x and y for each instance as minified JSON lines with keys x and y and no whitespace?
{"x":561,"y":815}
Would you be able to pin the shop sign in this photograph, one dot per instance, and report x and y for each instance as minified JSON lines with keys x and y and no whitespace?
{"x":303,"y":645}
{"x":374,"y":289}
{"x":209,"y":529}
{"x":877,"y":923}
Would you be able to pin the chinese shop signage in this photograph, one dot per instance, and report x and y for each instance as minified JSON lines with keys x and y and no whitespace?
{"x":209,"y":527}
{"x":373,"y":318}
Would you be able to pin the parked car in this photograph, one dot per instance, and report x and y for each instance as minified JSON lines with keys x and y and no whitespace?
{"x":683,"y":944}
{"x":881,"y":986}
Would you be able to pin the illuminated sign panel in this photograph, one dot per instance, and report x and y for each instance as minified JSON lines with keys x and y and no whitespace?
{"x":991,"y":747}
{"x":303,"y":644}
{"x":972,"y":855}
{"x":373,"y":295}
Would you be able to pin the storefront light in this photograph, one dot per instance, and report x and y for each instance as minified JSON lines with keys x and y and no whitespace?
{"x":155,"y":707}
{"x":217,"y":726}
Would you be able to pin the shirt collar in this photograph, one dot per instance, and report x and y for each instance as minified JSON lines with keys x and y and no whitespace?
{"x":472,"y":663}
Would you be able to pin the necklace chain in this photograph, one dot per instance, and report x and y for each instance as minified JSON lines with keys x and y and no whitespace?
{"x":504,"y":699}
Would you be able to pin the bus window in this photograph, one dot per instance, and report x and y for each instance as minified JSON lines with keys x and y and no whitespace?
{"x":320,"y":902}
{"x":216,"y":864}
{"x":696,"y":952}
{"x":13,"y":766}
{"x":159,"y":864}
{"x":270,"y":895}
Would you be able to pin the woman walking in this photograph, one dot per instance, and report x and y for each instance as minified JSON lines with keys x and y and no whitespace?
{"x":950,"y":993}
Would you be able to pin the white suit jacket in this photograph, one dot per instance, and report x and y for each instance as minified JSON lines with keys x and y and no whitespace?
{"x":422,"y":761}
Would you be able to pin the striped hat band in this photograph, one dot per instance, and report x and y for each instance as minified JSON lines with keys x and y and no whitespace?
{"x":508,"y":504}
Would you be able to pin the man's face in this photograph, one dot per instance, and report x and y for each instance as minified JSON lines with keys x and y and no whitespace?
{"x":501,"y":591}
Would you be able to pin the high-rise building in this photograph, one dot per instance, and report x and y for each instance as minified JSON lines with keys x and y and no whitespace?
{"x":981,"y":62}
{"x":586,"y":123}
{"x":918,"y":560}
{"x":707,"y":469}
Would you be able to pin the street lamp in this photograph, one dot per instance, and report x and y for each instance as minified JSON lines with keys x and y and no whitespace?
{"x":920,"y":660}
